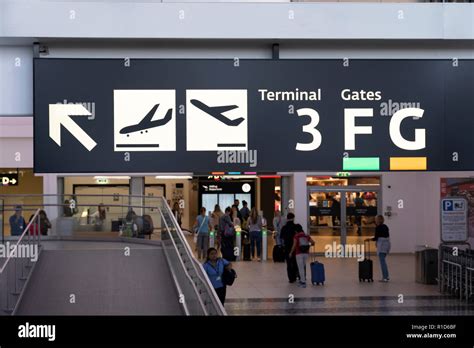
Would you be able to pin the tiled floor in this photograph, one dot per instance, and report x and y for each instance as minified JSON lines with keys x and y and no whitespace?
{"x":262,"y":288}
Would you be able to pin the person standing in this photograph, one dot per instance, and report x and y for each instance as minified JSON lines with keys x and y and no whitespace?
{"x":237,"y":204}
{"x":214,"y":267}
{"x":235,"y":216}
{"x":202,"y":226}
{"x":227,"y":232}
{"x":215,"y":219}
{"x":359,"y":203}
{"x":177,"y":213}
{"x":288,"y":232}
{"x":277,"y":226}
{"x":382,"y":241}
{"x":301,"y":245}
{"x":45,"y":224}
{"x":335,"y":211}
{"x":255,"y":230}
{"x":245,"y":211}
{"x":17,"y":222}
{"x":34,"y":229}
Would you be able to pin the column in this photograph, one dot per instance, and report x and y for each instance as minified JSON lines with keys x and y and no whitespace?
{"x":54,"y":185}
{"x":299,"y":196}
{"x":137,"y":188}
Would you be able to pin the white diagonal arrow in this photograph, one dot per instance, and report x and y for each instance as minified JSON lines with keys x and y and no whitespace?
{"x":59,"y":115}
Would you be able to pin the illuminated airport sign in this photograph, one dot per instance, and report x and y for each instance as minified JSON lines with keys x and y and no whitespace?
{"x":9,"y":179}
{"x":101,"y":115}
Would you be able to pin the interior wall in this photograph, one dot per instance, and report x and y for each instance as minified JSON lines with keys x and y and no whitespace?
{"x":417,"y":223}
{"x":189,"y":203}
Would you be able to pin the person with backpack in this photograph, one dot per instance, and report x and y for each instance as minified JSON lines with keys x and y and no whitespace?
{"x":130,"y":227}
{"x":227,"y":232}
{"x":201,"y":227}
{"x":255,"y":229}
{"x":301,"y":245}
{"x":148,"y":226}
{"x":286,"y":237}
{"x":214,"y":267}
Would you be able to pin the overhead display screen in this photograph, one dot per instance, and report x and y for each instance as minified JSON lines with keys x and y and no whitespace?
{"x":194,"y":115}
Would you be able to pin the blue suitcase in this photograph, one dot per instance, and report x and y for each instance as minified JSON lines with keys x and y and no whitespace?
{"x":317,"y":273}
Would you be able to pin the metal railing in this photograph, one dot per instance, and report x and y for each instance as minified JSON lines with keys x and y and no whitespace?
{"x":456,"y":271}
{"x":195,"y":291}
{"x":193,"y":270}
{"x":18,"y":264}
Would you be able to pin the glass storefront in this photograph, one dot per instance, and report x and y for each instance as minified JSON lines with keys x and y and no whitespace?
{"x":342,"y":211}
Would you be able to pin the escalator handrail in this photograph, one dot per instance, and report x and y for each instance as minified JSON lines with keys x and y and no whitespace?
{"x":196,"y":264}
{"x":184,"y":268}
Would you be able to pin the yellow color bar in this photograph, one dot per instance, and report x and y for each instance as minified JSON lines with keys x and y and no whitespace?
{"x":408,"y":163}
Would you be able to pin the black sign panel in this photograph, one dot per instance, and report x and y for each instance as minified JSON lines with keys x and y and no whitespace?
{"x":9,"y":179}
{"x":111,"y":115}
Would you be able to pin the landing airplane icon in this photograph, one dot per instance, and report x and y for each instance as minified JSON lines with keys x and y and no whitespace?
{"x":217,"y":112}
{"x":146,"y":123}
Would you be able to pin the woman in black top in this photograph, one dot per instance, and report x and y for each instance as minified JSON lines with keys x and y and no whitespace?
{"x":382,"y":241}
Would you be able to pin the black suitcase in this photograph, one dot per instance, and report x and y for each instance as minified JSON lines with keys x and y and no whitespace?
{"x":246,"y":252}
{"x":366,"y":267}
{"x":278,"y":254}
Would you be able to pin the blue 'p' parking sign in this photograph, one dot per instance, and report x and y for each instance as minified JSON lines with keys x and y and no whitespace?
{"x":454,"y":226}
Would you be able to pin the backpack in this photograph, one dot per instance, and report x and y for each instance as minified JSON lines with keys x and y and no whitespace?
{"x":128,"y":229}
{"x":229,"y":231}
{"x":304,"y":244}
{"x":228,"y":276}
{"x":147,"y":225}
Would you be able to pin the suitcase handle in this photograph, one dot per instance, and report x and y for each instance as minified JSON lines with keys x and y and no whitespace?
{"x":312,"y":252}
{"x":367,"y":241}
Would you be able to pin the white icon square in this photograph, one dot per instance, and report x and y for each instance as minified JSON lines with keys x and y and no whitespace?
{"x":216,"y":120}
{"x":145,"y":120}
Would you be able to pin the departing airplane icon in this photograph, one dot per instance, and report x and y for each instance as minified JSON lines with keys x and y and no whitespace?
{"x":146,"y":123}
{"x":217,"y":112}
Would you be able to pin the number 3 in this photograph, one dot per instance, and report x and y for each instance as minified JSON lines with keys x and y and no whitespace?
{"x":311,"y":129}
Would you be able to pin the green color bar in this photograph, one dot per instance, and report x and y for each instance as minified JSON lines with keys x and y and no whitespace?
{"x":361,"y":163}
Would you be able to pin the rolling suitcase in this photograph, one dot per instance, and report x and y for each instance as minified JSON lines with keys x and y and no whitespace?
{"x":317,"y":272}
{"x":366,"y":267}
{"x":278,"y":254}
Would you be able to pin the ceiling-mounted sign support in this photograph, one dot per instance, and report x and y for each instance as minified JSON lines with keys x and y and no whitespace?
{"x":276,"y":51}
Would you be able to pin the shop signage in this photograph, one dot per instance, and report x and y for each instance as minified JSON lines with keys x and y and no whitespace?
{"x":9,"y":179}
{"x":151,"y":115}
{"x":454,"y":213}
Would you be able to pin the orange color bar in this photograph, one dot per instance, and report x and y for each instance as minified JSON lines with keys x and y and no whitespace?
{"x":408,"y":163}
